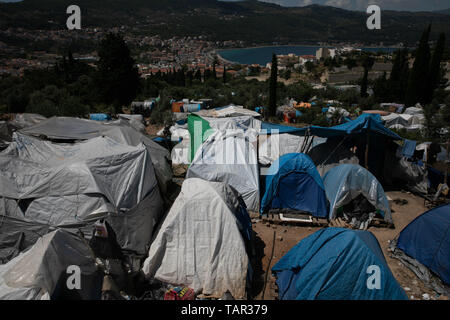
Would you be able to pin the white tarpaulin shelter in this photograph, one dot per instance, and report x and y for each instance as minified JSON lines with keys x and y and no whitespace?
{"x":199,"y":243}
{"x":180,"y":152}
{"x":231,"y":157}
{"x":72,"y":129}
{"x":227,"y":111}
{"x":46,"y":185}
{"x":34,"y":274}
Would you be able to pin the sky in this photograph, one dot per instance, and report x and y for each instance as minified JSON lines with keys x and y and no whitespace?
{"x":361,"y":5}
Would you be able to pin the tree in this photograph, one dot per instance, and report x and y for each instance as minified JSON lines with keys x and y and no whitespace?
{"x":415,"y":91}
{"x":367,"y":64}
{"x":118,"y":77}
{"x":224,"y":76}
{"x":273,"y":86}
{"x":435,"y":68}
{"x":396,"y":87}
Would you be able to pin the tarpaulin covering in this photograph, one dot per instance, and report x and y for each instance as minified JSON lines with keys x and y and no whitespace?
{"x":200,"y":244}
{"x":199,"y":129}
{"x":230,"y":157}
{"x":294,"y":183}
{"x":99,"y":117}
{"x":409,"y":147}
{"x":35,"y":274}
{"x":427,"y":239}
{"x":362,"y":124}
{"x":45,"y":185}
{"x":335,"y":264}
{"x":65,"y":128}
{"x":332,"y":153}
{"x":25,"y":120}
{"x":347,"y":181}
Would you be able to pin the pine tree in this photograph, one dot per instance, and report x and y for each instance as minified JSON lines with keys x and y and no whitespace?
{"x":273,"y":86}
{"x":118,"y":77}
{"x":416,"y":89}
{"x":435,"y":69}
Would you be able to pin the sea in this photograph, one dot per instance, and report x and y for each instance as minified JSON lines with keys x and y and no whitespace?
{"x":263,"y":55}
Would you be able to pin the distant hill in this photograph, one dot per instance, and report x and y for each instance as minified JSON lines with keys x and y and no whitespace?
{"x":251,"y":21}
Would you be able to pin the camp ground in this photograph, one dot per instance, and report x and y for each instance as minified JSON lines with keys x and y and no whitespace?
{"x":221,"y":204}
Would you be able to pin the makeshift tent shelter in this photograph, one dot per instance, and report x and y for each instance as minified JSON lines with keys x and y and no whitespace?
{"x":36,"y":273}
{"x":45,"y":185}
{"x":332,"y":153}
{"x":200,"y":244}
{"x":335,"y":264}
{"x":276,"y":140}
{"x":347,"y":183}
{"x":230,"y":157}
{"x":424,"y":245}
{"x":65,"y":129}
{"x":202,"y":123}
{"x":25,"y":120}
{"x":294,"y":183}
{"x":367,"y":133}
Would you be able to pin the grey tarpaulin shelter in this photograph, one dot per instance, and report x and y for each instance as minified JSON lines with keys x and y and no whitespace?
{"x":46,"y":185}
{"x":231,"y":157}
{"x":200,"y":243}
{"x":71,"y":129}
{"x":35,"y":274}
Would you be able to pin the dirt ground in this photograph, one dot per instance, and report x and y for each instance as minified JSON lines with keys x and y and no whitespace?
{"x":287,"y":236}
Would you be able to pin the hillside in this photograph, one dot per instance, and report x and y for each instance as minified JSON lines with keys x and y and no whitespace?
{"x":251,"y":21}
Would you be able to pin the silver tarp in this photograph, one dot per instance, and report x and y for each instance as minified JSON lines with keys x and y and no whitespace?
{"x":46,"y":185}
{"x":69,"y":129}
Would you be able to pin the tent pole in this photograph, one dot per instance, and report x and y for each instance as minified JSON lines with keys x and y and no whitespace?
{"x":367,"y":150}
{"x":446,"y":163}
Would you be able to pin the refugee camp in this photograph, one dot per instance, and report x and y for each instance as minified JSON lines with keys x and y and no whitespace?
{"x":231,"y":155}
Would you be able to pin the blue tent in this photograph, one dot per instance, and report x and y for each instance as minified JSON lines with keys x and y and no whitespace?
{"x":294,"y":183}
{"x":427,"y":239}
{"x":346,"y":181}
{"x":335,"y":264}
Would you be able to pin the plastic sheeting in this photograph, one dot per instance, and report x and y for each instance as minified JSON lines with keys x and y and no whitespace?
{"x":199,"y":244}
{"x":230,"y":157}
{"x":330,"y":154}
{"x":333,"y":264}
{"x":65,"y":128}
{"x":72,"y":185}
{"x":347,"y":181}
{"x":294,"y":183}
{"x":427,"y":239}
{"x":25,"y":120}
{"x":35,"y":274}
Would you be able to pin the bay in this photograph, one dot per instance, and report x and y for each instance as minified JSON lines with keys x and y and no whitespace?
{"x":263,"y":55}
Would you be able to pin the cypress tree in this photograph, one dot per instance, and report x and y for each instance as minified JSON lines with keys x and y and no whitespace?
{"x":273,"y":86}
{"x":416,"y":89}
{"x":224,"y":74}
{"x":435,"y":68}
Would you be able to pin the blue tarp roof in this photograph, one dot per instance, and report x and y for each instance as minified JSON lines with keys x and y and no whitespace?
{"x":282,"y":129}
{"x":346,"y":181}
{"x":364,"y":122}
{"x":293,"y":182}
{"x":332,"y":264}
{"x":427,"y":239}
{"x":409,"y":147}
{"x":361,"y":124}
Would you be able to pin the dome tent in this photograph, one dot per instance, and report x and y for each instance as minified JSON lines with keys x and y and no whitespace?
{"x":201,"y":243}
{"x":426,"y":242}
{"x":294,"y":183}
{"x":335,"y":264}
{"x":349,"y":184}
